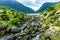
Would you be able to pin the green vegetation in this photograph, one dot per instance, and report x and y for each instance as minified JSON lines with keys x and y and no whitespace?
{"x":50,"y":20}
{"x":11,"y":17}
{"x":51,"y":16}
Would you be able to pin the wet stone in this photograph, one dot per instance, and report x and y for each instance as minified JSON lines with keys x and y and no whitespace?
{"x":15,"y":30}
{"x":3,"y":27}
{"x":12,"y":37}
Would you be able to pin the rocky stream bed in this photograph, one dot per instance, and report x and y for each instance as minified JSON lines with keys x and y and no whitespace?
{"x":30,"y":30}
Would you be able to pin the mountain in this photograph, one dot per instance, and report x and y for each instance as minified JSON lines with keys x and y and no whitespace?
{"x":45,"y":5}
{"x":16,"y":5}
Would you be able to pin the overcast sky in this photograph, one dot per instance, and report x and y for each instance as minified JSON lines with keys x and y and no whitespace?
{"x":35,"y":4}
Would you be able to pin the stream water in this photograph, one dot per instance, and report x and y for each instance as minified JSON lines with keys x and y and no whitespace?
{"x":3,"y":38}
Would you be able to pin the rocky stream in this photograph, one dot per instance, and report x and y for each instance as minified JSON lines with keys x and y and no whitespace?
{"x":30,"y":30}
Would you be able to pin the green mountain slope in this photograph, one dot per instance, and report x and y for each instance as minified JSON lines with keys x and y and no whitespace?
{"x":45,"y":5}
{"x":4,"y":7}
{"x":10,"y":17}
{"x":16,"y":5}
{"x":50,"y":18}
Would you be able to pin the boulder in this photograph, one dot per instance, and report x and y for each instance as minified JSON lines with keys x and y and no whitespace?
{"x":23,"y":34}
{"x":8,"y":31}
{"x":3,"y":27}
{"x":33,"y":35}
{"x":12,"y":37}
{"x":59,"y":18}
{"x":49,"y":14}
{"x":57,"y":12}
{"x":15,"y":30}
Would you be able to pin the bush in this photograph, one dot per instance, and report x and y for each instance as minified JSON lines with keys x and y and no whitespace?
{"x":11,"y":17}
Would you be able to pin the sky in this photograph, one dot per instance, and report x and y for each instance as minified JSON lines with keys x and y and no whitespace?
{"x":35,"y":4}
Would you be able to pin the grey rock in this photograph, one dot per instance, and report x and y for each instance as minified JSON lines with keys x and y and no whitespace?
{"x":3,"y":27}
{"x":58,"y":12}
{"x":15,"y":30}
{"x":12,"y":37}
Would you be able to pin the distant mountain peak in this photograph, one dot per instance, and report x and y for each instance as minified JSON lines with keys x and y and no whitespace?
{"x":45,"y":5}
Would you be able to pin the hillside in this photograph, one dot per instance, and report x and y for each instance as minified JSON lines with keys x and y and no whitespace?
{"x":50,"y":18}
{"x":16,"y":5}
{"x":10,"y":18}
{"x":45,"y":5}
{"x":16,"y":25}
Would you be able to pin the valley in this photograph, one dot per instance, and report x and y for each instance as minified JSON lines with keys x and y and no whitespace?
{"x":18,"y":22}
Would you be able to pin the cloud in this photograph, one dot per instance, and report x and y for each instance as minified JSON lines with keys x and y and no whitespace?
{"x":35,"y":4}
